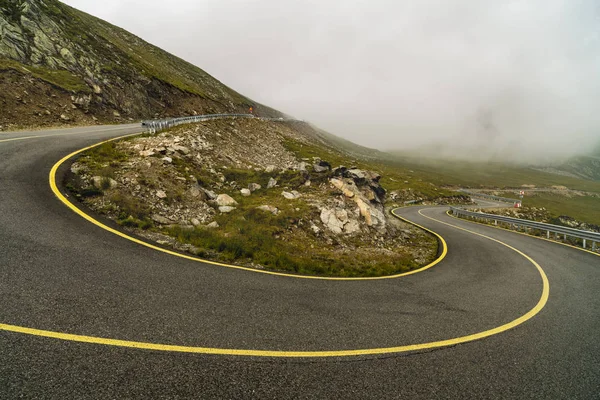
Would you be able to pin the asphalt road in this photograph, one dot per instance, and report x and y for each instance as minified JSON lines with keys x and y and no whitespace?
{"x":62,"y":274}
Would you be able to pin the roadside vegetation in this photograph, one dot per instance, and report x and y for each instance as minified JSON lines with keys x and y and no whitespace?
{"x":289,"y":239}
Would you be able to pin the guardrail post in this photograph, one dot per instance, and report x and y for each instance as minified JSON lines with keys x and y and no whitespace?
{"x":584,"y":243}
{"x":593,"y":246}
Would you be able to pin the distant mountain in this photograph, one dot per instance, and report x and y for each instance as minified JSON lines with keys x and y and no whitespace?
{"x":61,"y":65}
{"x":584,"y":166}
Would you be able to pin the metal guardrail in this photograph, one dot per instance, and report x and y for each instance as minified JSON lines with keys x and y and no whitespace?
{"x":585,"y":236}
{"x":492,"y":197}
{"x":158,"y":125}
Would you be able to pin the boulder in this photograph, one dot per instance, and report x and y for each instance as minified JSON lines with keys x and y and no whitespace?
{"x":254,"y":187}
{"x":225,"y":200}
{"x":211,"y":195}
{"x":357,"y":175}
{"x":268,"y":208}
{"x":213,"y":224}
{"x":102,"y":182}
{"x":226,"y":209}
{"x":181,"y":149}
{"x":321,"y":166}
{"x":272,"y":183}
{"x":195,"y":221}
{"x":364,"y":210}
{"x":331,"y":221}
{"x":161,"y":220}
{"x":352,"y":227}
{"x":290,"y":196}
{"x":245,"y":192}
{"x":339,"y":184}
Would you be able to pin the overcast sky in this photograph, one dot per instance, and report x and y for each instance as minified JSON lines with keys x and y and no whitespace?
{"x":521,"y":76}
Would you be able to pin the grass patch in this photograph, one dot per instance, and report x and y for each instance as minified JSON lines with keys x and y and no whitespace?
{"x":56,"y":77}
{"x":582,"y":208}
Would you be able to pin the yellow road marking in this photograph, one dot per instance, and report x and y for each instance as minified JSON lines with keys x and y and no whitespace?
{"x":61,"y":197}
{"x":524,"y":234}
{"x":303,"y":354}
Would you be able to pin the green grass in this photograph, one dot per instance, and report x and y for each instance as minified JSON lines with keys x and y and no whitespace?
{"x":60,"y":78}
{"x":487,"y":175}
{"x":582,"y":208}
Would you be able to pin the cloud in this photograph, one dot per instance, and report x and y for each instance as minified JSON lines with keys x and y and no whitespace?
{"x":516,"y":78}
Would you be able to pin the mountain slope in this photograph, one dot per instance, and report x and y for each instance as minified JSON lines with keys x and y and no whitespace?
{"x":57,"y":61}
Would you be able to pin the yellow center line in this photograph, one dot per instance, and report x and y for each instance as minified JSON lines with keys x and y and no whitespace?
{"x":304,"y":354}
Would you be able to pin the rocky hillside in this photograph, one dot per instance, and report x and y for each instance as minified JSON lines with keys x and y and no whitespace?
{"x":259,"y":193}
{"x":59,"y":65}
{"x":585,"y":167}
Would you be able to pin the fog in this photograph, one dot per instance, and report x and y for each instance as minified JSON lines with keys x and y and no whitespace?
{"x":485,"y":78}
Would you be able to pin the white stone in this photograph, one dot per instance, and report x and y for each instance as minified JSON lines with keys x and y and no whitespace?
{"x":245,"y":192}
{"x":225,"y":200}
{"x":226,"y":209}
{"x":161,"y":194}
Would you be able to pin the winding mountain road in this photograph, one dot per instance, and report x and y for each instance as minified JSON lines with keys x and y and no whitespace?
{"x":76,"y":300}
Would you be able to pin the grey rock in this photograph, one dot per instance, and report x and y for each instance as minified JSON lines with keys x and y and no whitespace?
{"x":181,"y":149}
{"x":352,"y":226}
{"x":245,"y":192}
{"x":321,"y":166}
{"x":161,"y":194}
{"x":254,"y":187}
{"x":211,"y":195}
{"x":272,"y":183}
{"x":331,"y":221}
{"x":226,"y":209}
{"x":160,"y":219}
{"x":213,"y":225}
{"x":288,"y":195}
{"x":102,"y":182}
{"x":225,"y":200}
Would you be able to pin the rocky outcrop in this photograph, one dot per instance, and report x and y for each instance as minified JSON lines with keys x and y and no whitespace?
{"x":362,"y":188}
{"x":92,"y":68}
